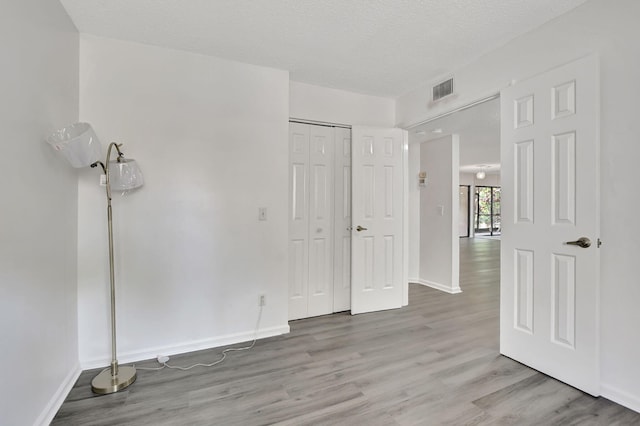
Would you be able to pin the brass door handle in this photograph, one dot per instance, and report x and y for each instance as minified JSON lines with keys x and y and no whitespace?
{"x":360,"y":228}
{"x":583,"y":242}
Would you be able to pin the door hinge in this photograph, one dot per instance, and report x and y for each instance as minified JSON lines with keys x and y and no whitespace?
{"x":599,"y":242}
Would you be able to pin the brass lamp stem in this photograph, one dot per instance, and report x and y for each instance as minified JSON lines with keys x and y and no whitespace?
{"x":114,"y":360}
{"x":115,"y":378}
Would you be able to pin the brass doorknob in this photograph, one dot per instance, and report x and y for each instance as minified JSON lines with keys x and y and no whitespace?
{"x":360,"y":228}
{"x":583,"y":242}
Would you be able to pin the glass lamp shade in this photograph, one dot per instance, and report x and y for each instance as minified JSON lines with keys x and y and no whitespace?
{"x":481,"y":175}
{"x":125,"y":175}
{"x":78,"y":143}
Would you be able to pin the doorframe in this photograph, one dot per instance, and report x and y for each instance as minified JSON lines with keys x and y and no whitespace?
{"x":318,"y":123}
{"x":543,"y":67}
{"x":476,"y":207}
{"x":409,"y":127}
{"x":469,"y":210}
{"x":405,"y":218}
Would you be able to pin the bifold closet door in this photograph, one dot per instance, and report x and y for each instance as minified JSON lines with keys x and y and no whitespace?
{"x":310,"y":221}
{"x":342,"y":221}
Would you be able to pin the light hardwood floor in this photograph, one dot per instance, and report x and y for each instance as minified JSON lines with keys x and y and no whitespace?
{"x":434,"y":362}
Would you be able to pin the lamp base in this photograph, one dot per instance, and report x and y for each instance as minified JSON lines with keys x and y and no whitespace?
{"x":105,"y":383}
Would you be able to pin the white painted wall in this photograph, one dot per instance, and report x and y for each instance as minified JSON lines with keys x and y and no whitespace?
{"x":317,"y":103}
{"x":439,"y":215}
{"x":414,"y":212}
{"x":38,"y":219}
{"x":191,"y":256}
{"x":612,"y":31}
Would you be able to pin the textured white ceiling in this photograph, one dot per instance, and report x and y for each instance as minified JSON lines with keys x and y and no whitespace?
{"x":377,"y":47}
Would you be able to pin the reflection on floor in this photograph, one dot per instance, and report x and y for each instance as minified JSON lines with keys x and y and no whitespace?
{"x":488,"y":236}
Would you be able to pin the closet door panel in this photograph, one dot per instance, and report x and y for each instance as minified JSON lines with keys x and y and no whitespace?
{"x":321,"y":220}
{"x":298,"y":220}
{"x":311,"y":211}
{"x":342,"y":221}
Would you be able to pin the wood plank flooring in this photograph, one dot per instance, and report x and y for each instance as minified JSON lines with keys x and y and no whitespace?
{"x":434,"y":362}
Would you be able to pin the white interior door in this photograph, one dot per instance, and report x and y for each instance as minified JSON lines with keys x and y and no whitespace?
{"x":378,"y":212}
{"x":550,"y":185}
{"x":342,"y":224}
{"x":310,"y":221}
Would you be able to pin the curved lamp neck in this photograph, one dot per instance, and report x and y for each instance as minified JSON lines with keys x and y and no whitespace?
{"x":105,"y":167}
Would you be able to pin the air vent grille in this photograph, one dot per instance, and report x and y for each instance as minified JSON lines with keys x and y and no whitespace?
{"x":443,"y":89}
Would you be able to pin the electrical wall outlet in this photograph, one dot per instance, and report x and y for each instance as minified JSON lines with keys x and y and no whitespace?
{"x":262,"y":213}
{"x":262,"y":300}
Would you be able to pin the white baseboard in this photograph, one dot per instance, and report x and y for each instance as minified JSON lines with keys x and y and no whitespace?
{"x":438,"y":286}
{"x":49,"y":412}
{"x":618,"y":396}
{"x":184,"y":347}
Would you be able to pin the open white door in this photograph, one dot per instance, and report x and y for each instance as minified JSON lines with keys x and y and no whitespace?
{"x":378,"y":213}
{"x":549,"y":293}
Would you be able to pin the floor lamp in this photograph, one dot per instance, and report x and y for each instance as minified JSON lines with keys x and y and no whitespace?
{"x":80,"y":146}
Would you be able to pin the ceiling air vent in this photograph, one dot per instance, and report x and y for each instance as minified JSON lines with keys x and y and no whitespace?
{"x":443,"y":89}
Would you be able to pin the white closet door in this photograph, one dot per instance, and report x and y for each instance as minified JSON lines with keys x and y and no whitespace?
{"x":310,"y":220}
{"x":342,"y":224}
{"x":320,"y":220}
{"x":298,"y":220}
{"x":377,"y":273}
